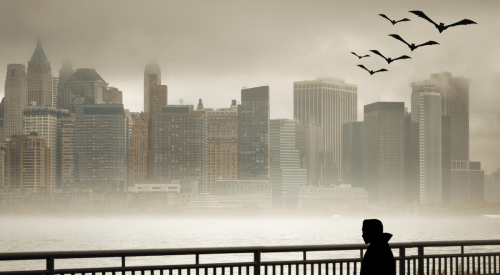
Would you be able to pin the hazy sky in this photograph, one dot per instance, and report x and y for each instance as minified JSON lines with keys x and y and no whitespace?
{"x":211,"y":49}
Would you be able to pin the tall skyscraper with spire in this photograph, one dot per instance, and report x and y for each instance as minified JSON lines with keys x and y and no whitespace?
{"x":16,"y":100}
{"x":64,"y":74}
{"x":151,"y":68}
{"x":39,"y":78}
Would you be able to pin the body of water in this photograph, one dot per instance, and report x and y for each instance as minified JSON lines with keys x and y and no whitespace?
{"x":63,"y":234}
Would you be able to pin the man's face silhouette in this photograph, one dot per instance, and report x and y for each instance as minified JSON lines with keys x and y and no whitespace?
{"x":367,"y":236}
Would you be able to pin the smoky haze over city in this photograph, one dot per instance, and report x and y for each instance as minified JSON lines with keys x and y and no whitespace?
{"x":214,"y":55}
{"x":247,"y":123}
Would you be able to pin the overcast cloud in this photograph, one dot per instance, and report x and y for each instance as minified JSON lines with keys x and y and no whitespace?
{"x":211,"y":49}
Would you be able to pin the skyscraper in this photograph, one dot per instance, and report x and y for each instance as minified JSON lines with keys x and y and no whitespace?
{"x":454,"y":108}
{"x":253,"y":144}
{"x":454,"y":93}
{"x":180,"y":144}
{"x":66,"y":159}
{"x":39,"y":78}
{"x":353,"y":153}
{"x":2,"y":116}
{"x":468,"y":181}
{"x":112,"y":96}
{"x":138,"y":154}
{"x":151,"y":69}
{"x":309,"y":142}
{"x":27,"y":164}
{"x":222,"y":145}
{"x":426,"y":141}
{"x":16,"y":99}
{"x":158,"y":98}
{"x":55,"y":85}
{"x":101,"y":147}
{"x":383,"y":166}
{"x":64,"y":74}
{"x":286,"y":174}
{"x":332,"y":103}
{"x":85,"y":86}
{"x":45,"y":121}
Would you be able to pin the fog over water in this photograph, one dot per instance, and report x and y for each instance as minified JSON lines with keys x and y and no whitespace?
{"x":63,"y":234}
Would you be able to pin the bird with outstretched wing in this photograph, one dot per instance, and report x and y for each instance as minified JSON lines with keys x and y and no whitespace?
{"x":394,"y":21}
{"x":441,"y":27}
{"x":388,"y":59}
{"x":372,"y":72}
{"x":413,"y":46}
{"x":360,"y":56}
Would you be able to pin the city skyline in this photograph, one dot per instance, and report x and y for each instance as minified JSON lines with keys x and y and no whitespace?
{"x":317,"y":46}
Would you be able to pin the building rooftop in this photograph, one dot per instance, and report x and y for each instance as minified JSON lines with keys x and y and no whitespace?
{"x":85,"y":74}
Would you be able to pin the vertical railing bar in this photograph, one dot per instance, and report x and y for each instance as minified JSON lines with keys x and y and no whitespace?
{"x":341,"y":268}
{"x":327,"y":269}
{"x":289,"y":269}
{"x":428,"y":267}
{"x":49,"y":265}
{"x":489,"y":264}
{"x":281,"y":269}
{"x":484,"y":264}
{"x":312,"y":269}
{"x":355,"y":268}
{"x":421,"y":260}
{"x":256,"y":260}
{"x":402,"y":261}
{"x":474,"y":263}
{"x":334,"y":268}
{"x":414,"y":267}
{"x":348,"y":268}
{"x":304,"y":256}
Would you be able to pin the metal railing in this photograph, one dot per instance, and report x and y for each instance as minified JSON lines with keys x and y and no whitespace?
{"x":420,"y":264}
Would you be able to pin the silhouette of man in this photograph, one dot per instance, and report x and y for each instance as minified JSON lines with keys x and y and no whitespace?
{"x":378,"y":259}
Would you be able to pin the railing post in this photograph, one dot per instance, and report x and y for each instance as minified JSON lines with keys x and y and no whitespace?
{"x":420,"y":260}
{"x":197,"y":262}
{"x":402,"y":261}
{"x":304,"y":255}
{"x":123,"y":261}
{"x":256,"y":260}
{"x":50,"y":266}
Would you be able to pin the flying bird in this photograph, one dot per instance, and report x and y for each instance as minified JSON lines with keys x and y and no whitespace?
{"x":394,"y":21}
{"x":388,"y":59}
{"x":360,"y":56}
{"x":441,"y":27}
{"x":413,"y":46}
{"x":372,"y":72}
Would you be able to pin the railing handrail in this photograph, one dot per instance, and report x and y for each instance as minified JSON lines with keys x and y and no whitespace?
{"x":224,"y":250}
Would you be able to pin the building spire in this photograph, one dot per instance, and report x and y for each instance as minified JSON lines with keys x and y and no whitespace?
{"x":39,"y":54}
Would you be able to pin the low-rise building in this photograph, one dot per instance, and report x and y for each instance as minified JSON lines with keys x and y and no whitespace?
{"x":314,"y":196}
